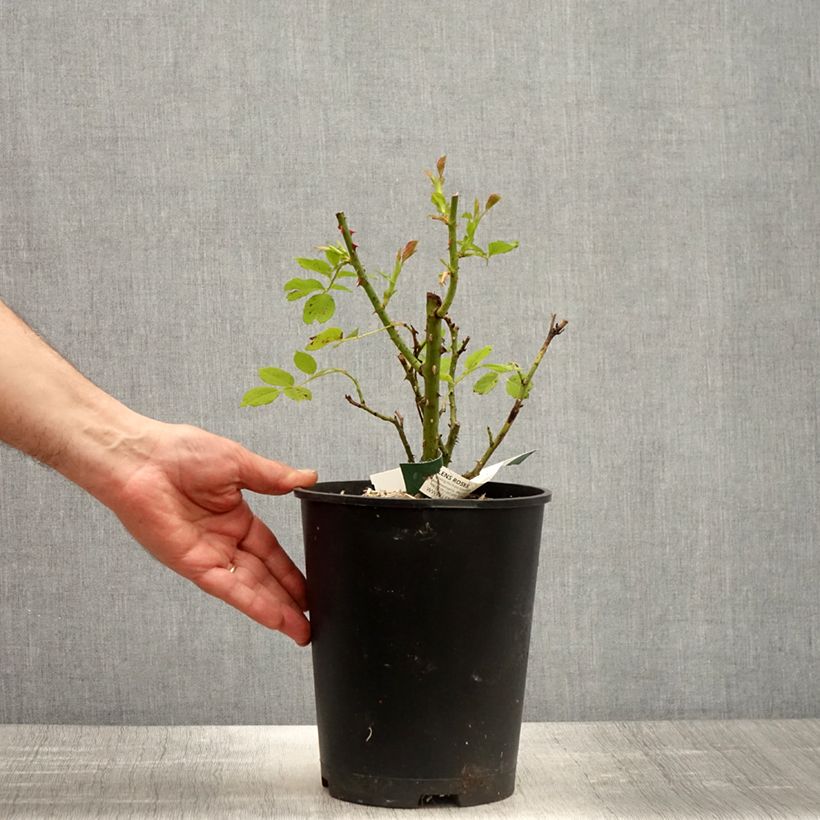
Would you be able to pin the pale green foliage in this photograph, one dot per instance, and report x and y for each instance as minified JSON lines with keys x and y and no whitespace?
{"x":257,"y":396}
{"x":516,"y":387}
{"x":340,"y":262}
{"x":317,"y":265}
{"x":299,"y":288}
{"x":305,"y":362}
{"x":298,"y":393}
{"x":319,"y":308}
{"x":495,"y":248}
{"x":276,"y":376}
{"x":486,"y":383}
{"x":326,"y":337}
{"x":477,"y":357}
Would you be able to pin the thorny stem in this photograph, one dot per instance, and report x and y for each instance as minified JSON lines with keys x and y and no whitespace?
{"x":397,"y":420}
{"x":452,"y":223}
{"x":556,"y":328}
{"x":412,"y":377}
{"x":417,"y":346}
{"x":409,"y":358}
{"x":431,"y":375}
{"x":431,"y":369}
{"x":455,"y":353}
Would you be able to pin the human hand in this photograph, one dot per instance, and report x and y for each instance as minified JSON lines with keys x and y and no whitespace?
{"x":176,"y":488}
{"x":181,"y":498}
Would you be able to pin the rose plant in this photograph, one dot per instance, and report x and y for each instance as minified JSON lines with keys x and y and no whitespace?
{"x":433,"y":357}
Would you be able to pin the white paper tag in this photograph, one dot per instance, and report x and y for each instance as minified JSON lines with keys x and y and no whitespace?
{"x":389,"y":481}
{"x":448,"y":484}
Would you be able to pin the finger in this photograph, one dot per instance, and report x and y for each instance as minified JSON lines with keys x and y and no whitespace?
{"x":253,"y":599}
{"x":262,"y":543}
{"x":262,"y":475}
{"x":252,"y":571}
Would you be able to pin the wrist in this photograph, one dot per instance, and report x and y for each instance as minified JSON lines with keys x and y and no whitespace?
{"x":53,"y":413}
{"x":105,"y":444}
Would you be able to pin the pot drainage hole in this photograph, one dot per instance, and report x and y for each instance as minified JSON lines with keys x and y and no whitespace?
{"x":439,"y":800}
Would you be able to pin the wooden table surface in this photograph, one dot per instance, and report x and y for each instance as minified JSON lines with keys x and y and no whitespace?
{"x":742,"y":768}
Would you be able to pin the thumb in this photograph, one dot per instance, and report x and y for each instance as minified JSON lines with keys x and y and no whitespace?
{"x":263,"y":475}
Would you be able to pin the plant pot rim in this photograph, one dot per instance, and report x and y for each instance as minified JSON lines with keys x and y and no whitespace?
{"x":499,"y":495}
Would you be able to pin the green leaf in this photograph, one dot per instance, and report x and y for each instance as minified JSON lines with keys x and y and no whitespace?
{"x":446,"y":377}
{"x":298,"y":393}
{"x":305,"y":362}
{"x":257,"y":396}
{"x":486,"y":383}
{"x":302,"y":287}
{"x":444,"y":367}
{"x":334,"y":286}
{"x":471,"y":227}
{"x":353,"y":333}
{"x":477,"y":356}
{"x":471,"y":249}
{"x":333,"y":254}
{"x":326,"y":337}
{"x":515,"y":387}
{"x":317,"y":265}
{"x":346,"y":274}
{"x":497,"y":247}
{"x":319,"y":308}
{"x":500,"y":368}
{"x":276,"y":376}
{"x":437,"y":198}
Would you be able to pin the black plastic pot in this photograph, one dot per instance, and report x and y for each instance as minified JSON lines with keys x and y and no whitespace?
{"x":421,"y":613}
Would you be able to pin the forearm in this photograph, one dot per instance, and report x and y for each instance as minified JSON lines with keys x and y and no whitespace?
{"x":56,"y":415}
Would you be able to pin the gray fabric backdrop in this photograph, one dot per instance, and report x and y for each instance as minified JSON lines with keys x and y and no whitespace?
{"x":162,"y":164}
